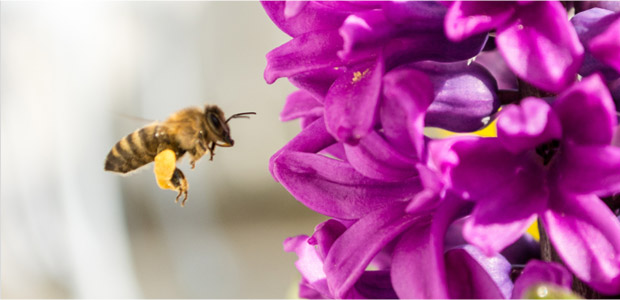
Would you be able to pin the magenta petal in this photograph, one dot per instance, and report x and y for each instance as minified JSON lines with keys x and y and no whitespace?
{"x":586,"y":235}
{"x":587,"y":112}
{"x":465,"y":95}
{"x":364,"y":29}
{"x":494,"y":62}
{"x":354,"y":250}
{"x":313,"y":138}
{"x":544,"y":51}
{"x":374,"y":157}
{"x":537,"y":272}
{"x":589,"y":24}
{"x":325,"y":234}
{"x":589,"y":169}
{"x":332,"y":187}
{"x":418,"y":268}
{"x":317,"y":82}
{"x":309,"y":264}
{"x":415,"y":15}
{"x":351,"y":102}
{"x":606,"y":46}
{"x":308,"y":52}
{"x":485,"y":167}
{"x":473,"y":275}
{"x":410,"y":92}
{"x":300,"y":104}
{"x":466,"y":18}
{"x":527,"y":125}
{"x":375,"y":285}
{"x":503,"y":215}
{"x":298,"y":17}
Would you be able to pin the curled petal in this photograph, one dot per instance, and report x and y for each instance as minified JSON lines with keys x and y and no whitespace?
{"x":374,"y":157}
{"x":308,"y":52}
{"x":473,"y":275}
{"x":589,"y":24}
{"x":465,"y":96}
{"x":325,"y":234}
{"x":503,"y":215}
{"x":430,"y":46}
{"x":544,"y":51}
{"x":527,"y":125}
{"x":376,"y":285}
{"x":420,"y":16}
{"x":466,"y":18}
{"x":586,"y":235}
{"x":332,"y":187}
{"x":587,"y":112}
{"x":418,"y":267}
{"x":313,"y":138}
{"x":298,"y":17}
{"x":589,"y":169}
{"x":606,"y":46}
{"x":317,"y":82}
{"x":354,"y":250}
{"x":363,"y":30}
{"x":494,"y":62}
{"x":309,"y":264}
{"x":351,"y":102}
{"x":300,"y":104}
{"x":537,"y":272}
{"x":407,"y":94}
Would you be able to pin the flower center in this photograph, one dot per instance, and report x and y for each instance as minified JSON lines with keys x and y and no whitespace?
{"x":547,"y":150}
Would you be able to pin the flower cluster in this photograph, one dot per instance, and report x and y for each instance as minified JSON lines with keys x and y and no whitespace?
{"x":419,"y":216}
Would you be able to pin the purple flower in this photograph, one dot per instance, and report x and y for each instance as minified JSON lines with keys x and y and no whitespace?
{"x":550,"y":161}
{"x":599,"y":55}
{"x":544,"y":51}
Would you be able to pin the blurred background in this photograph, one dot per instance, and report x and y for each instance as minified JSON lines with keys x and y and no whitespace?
{"x":77,"y":77}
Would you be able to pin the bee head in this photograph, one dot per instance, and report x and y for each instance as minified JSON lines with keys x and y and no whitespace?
{"x":217,"y":127}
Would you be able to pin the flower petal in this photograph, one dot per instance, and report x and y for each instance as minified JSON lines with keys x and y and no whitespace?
{"x":586,"y":235}
{"x":546,"y":52}
{"x":317,"y":82}
{"x":589,"y":169}
{"x":332,"y":187}
{"x":503,"y":215}
{"x":589,"y":24}
{"x":606,"y":46}
{"x":351,"y":102}
{"x":374,"y":157}
{"x":527,"y":125}
{"x":433,"y":46}
{"x":376,"y":285}
{"x":465,"y":95}
{"x":407,"y":94}
{"x":494,"y":62}
{"x":305,"y":17}
{"x":474,"y":275}
{"x":587,"y":112}
{"x":325,"y":234}
{"x":354,"y":250}
{"x":466,"y":18}
{"x":537,"y":272}
{"x":300,"y":104}
{"x":308,"y":52}
{"x":418,"y":268}
{"x":309,"y":264}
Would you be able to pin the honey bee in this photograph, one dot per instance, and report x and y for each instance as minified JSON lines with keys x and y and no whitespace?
{"x":192,"y":130}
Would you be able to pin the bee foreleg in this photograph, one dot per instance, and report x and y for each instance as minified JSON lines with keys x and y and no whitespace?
{"x":212,"y":150}
{"x":168,"y":176}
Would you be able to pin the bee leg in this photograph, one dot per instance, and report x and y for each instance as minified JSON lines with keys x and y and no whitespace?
{"x":212,"y":150}
{"x":168,"y":176}
{"x":180,"y":183}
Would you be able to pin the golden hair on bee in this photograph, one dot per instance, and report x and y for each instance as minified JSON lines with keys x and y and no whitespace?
{"x":192,"y":130}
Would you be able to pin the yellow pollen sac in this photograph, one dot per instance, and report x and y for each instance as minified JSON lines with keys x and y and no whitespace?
{"x":357,"y":75}
{"x":165,"y":163}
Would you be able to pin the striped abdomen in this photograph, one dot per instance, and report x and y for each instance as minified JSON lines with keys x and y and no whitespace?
{"x":135,"y":150}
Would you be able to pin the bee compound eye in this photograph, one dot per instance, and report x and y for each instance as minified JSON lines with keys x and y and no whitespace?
{"x":214,"y":121}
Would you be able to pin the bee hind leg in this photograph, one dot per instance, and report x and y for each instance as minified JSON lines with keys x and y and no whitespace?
{"x":168,"y":176}
{"x":180,"y":183}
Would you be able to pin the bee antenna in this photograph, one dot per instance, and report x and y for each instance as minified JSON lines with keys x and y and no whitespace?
{"x":240,"y":115}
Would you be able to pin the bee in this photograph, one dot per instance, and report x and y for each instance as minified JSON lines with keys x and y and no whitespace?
{"x":193,"y":130}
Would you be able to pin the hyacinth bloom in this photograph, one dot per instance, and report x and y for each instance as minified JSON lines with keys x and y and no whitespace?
{"x":417,"y":217}
{"x":552,"y":162}
{"x":544,"y":51}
